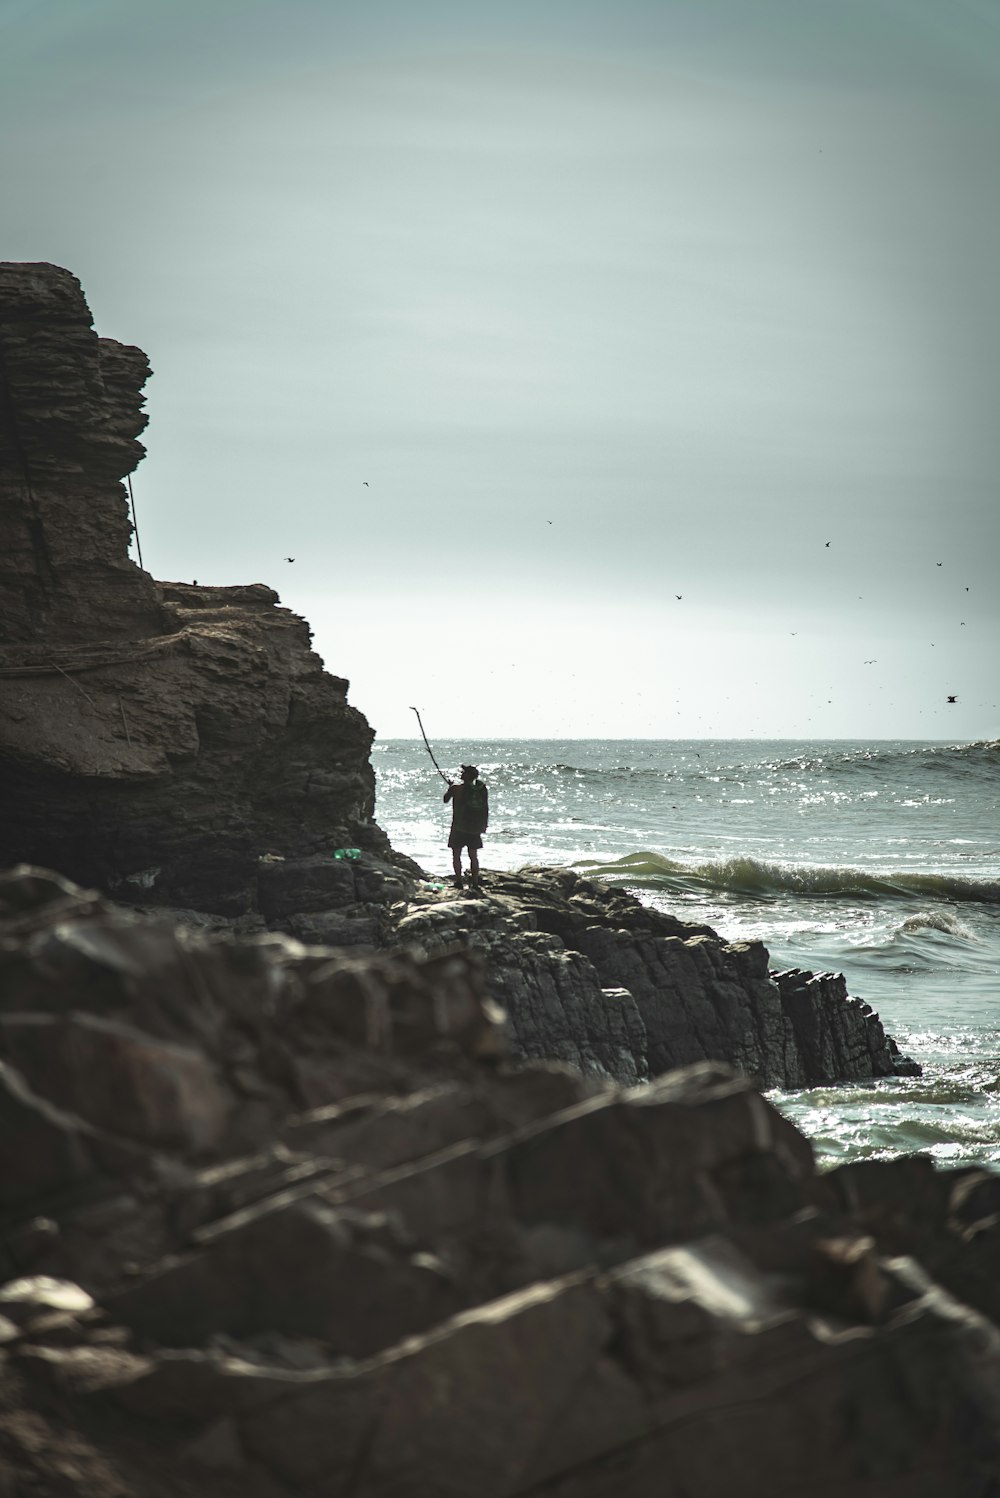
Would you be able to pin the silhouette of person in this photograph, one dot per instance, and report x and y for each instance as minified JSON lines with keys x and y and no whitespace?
{"x":470,"y":815}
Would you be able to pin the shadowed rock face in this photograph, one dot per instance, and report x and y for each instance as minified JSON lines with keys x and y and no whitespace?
{"x":294,"y":1224}
{"x":70,"y":413}
{"x":156,"y":739}
{"x":591,"y":976}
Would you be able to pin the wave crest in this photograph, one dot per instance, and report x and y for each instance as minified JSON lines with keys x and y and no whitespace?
{"x":752,"y":876}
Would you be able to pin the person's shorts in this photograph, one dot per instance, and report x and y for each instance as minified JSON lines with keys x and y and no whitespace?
{"x":461,"y":839}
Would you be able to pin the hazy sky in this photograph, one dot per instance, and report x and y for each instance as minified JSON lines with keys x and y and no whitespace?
{"x":512,"y":322}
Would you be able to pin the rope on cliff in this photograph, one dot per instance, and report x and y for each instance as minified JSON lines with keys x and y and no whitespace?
{"x":93,"y":656}
{"x":75,"y":684}
{"x":135,"y":523}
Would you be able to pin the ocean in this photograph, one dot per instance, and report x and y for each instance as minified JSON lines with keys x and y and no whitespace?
{"x":880,"y":860}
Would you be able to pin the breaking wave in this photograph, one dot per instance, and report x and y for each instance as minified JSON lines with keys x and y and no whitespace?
{"x":944,"y":921}
{"x":756,"y":877}
{"x":982,"y":754}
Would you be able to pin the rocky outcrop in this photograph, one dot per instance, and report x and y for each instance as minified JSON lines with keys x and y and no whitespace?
{"x":591,"y":976}
{"x":157,"y":739}
{"x":70,"y":414}
{"x":294,"y":1224}
{"x":182,"y":747}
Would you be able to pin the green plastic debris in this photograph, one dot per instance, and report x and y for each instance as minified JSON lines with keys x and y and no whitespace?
{"x":352,"y":853}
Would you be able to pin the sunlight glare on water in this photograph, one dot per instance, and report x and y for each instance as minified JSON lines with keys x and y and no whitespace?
{"x":881,"y":861}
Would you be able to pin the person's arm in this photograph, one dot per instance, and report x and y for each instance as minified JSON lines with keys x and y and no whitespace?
{"x":486,"y":808}
{"x":449,"y":792}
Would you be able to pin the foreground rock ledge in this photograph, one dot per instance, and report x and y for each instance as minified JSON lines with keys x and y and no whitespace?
{"x":277,"y":1220}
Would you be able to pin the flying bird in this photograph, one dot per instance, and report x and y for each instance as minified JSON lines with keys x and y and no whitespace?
{"x":365,"y":482}
{"x":826,"y":543}
{"x":289,"y":559}
{"x":939,"y":564}
{"x":872,"y":662}
{"x":678,"y":596}
{"x":953,"y":699}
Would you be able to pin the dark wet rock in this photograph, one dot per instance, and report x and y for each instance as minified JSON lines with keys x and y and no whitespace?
{"x":948,"y":1219}
{"x":607,"y":1383}
{"x":591,"y":976}
{"x":399,"y":1262}
{"x":42,"y":1149}
{"x":120,"y":1080}
{"x":294,"y":886}
{"x":300,"y":1268}
{"x":836,"y":1036}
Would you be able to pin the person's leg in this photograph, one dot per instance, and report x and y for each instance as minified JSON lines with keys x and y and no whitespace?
{"x":474,"y":865}
{"x":456,"y":863}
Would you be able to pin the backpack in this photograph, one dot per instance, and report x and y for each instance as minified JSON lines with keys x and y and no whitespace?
{"x":477,"y":801}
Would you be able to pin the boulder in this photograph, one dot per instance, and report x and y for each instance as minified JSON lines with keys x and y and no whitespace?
{"x":120,"y":1080}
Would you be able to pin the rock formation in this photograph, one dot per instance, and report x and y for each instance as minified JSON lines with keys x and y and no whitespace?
{"x":278,"y":1220}
{"x":289,"y":1204}
{"x":156,"y":739}
{"x":182,"y":747}
{"x":70,"y":414}
{"x":591,"y":976}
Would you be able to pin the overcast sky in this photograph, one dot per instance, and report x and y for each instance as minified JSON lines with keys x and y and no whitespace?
{"x":512,"y":322}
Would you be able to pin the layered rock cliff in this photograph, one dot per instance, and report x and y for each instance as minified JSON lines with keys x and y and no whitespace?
{"x":156,"y":739}
{"x":70,"y":413}
{"x":278,"y":1220}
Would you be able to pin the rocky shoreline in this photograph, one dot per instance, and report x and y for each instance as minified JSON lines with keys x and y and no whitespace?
{"x":292,"y":1219}
{"x":318,"y":1176}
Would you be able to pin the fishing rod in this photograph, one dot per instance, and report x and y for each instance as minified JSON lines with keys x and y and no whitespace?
{"x":430,"y":751}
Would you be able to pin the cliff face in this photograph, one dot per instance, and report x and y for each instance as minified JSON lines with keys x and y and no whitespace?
{"x":70,"y":413}
{"x":156,"y":739}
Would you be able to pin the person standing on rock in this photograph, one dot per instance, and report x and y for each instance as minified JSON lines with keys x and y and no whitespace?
{"x":470,"y":815}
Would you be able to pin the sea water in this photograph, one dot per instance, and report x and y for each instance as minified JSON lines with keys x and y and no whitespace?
{"x":877,"y":860}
